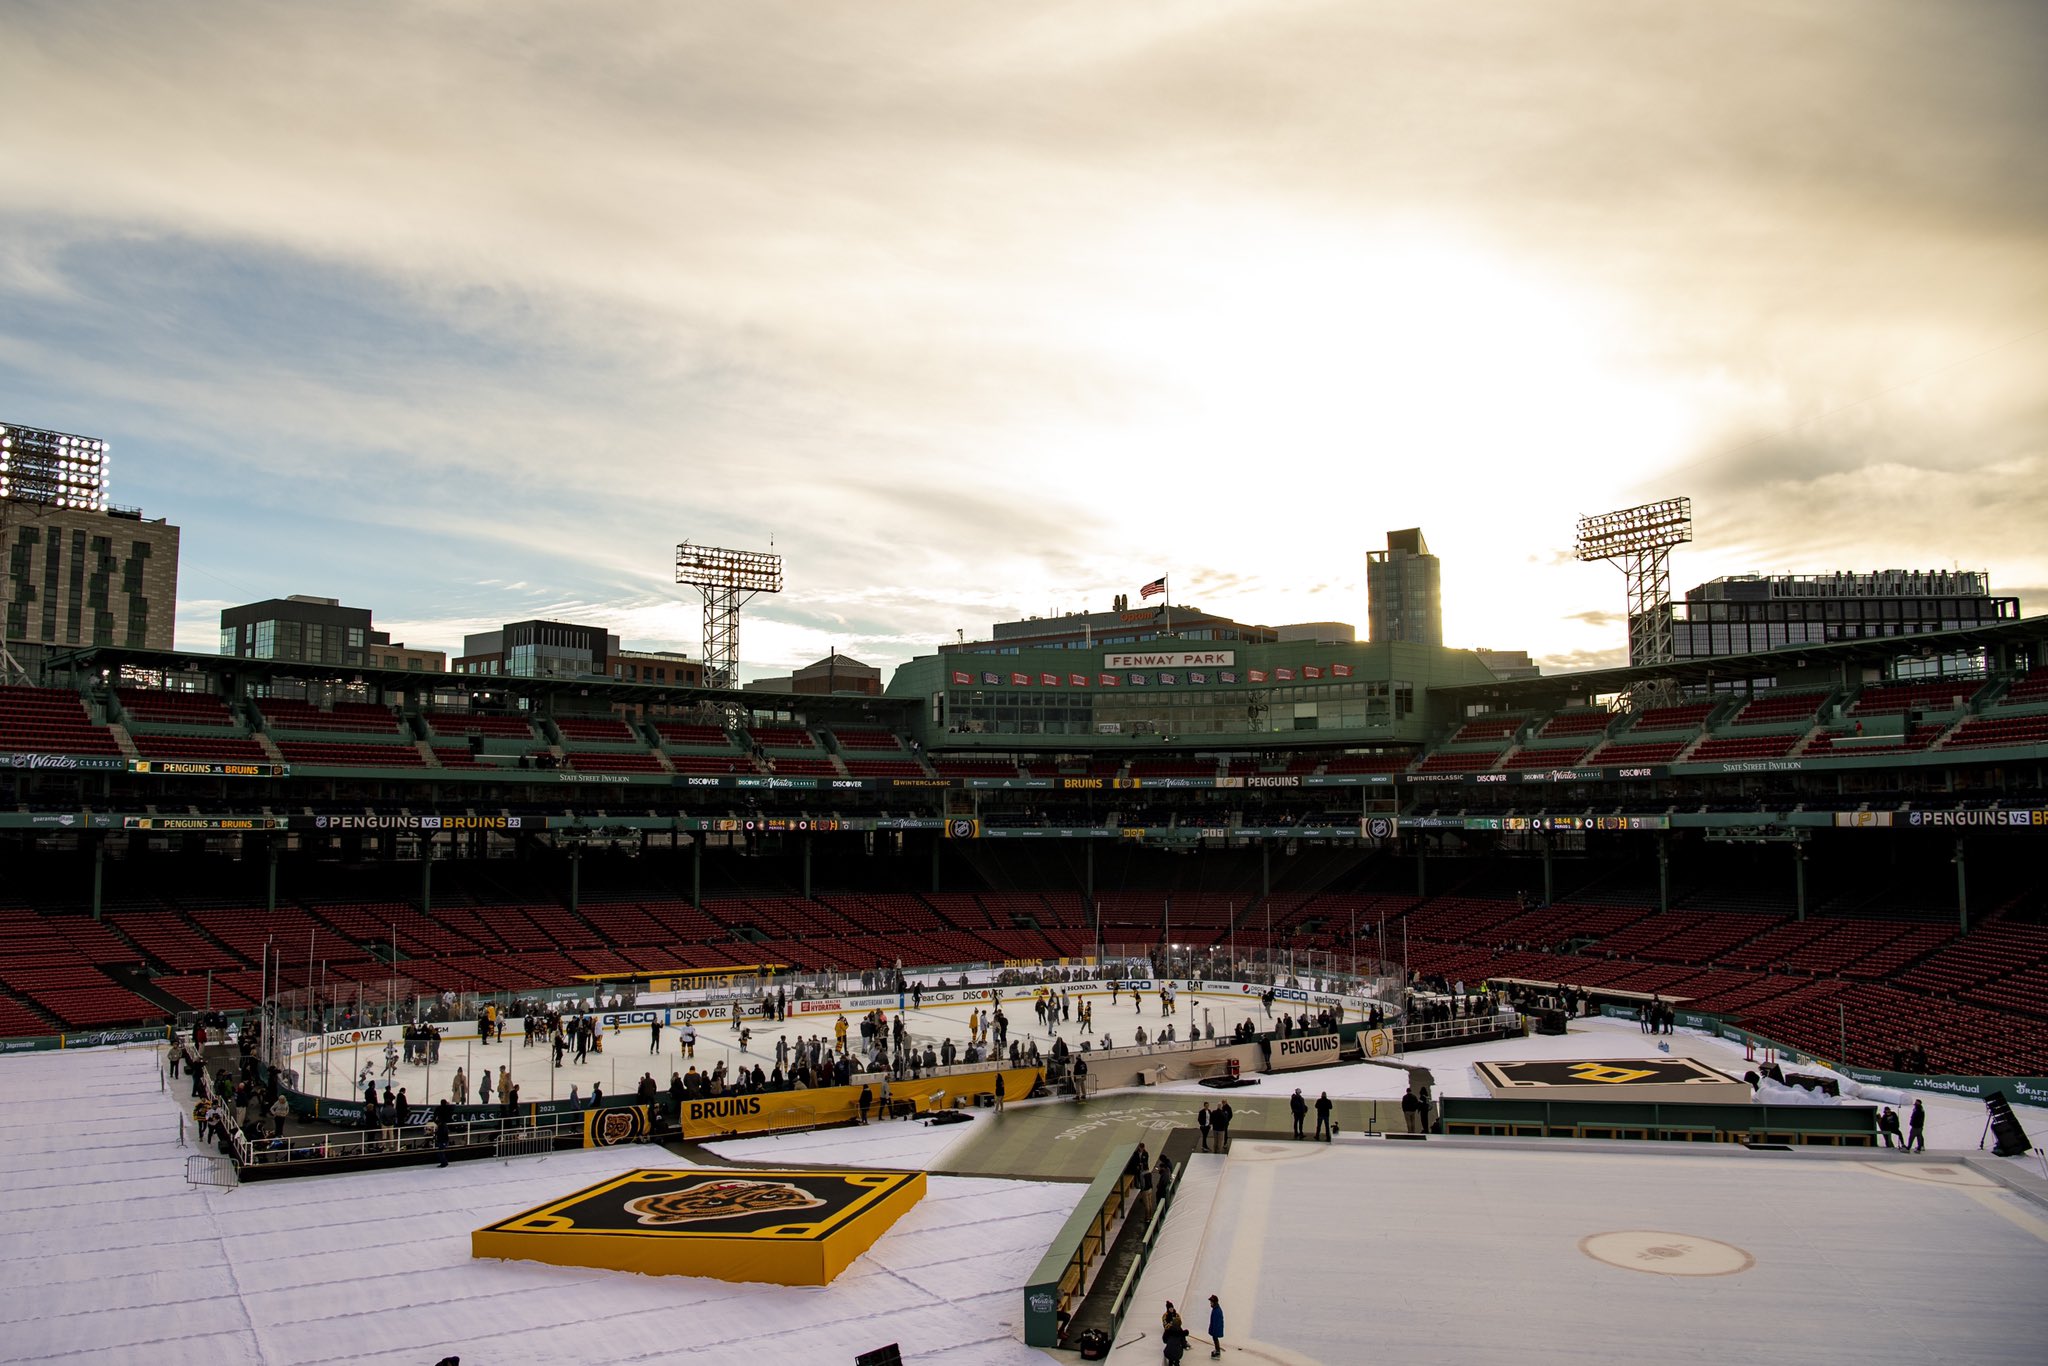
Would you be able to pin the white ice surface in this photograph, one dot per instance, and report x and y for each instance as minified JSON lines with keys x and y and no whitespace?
{"x":110,"y":1257}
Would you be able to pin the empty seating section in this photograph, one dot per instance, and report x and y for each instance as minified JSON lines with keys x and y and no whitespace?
{"x":881,"y":741}
{"x":792,"y":766}
{"x":2028,"y":689}
{"x":595,"y":730}
{"x":1459,"y":761}
{"x":692,"y":735}
{"x":1483,"y":728}
{"x":1367,"y":763}
{"x":51,"y":721}
{"x":1980,"y":731}
{"x":1879,"y":700}
{"x":360,"y":718}
{"x":1779,"y":709}
{"x":160,"y":707}
{"x":882,"y":768}
{"x":1645,"y":752}
{"x":1173,"y":768}
{"x":332,"y":754}
{"x":227,"y":749}
{"x":1567,"y":723}
{"x":614,"y":761}
{"x":50,"y":960}
{"x":1687,"y":716}
{"x":490,"y":725}
{"x":783,"y":737}
{"x":451,"y":756}
{"x":965,"y":766}
{"x":732,"y":761}
{"x":1553,"y":756}
{"x":1824,"y":742}
{"x":1722,"y":747}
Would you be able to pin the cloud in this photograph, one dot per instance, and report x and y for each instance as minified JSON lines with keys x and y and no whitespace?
{"x":978,"y":314}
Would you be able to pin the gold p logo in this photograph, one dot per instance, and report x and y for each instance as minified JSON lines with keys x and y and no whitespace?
{"x":1602,"y":1072}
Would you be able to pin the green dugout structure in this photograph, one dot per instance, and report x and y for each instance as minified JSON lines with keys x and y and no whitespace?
{"x":1853,"y":1126}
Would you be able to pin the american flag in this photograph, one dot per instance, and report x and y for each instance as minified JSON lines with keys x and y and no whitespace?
{"x":1152,"y":589}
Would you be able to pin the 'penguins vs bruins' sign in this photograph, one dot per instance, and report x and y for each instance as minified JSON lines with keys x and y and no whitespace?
{"x":737,"y":1224}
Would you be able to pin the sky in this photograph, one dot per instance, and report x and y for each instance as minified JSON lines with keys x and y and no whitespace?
{"x":469,"y":311}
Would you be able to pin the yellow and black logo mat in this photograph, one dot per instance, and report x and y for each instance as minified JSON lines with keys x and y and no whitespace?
{"x":741,"y":1203}
{"x":1615,"y":1072}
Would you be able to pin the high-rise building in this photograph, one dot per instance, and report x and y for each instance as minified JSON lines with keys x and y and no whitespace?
{"x":73,"y":569}
{"x":1404,"y":591}
{"x":301,"y":630}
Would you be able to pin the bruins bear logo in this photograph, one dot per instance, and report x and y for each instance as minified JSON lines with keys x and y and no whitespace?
{"x":719,"y":1200}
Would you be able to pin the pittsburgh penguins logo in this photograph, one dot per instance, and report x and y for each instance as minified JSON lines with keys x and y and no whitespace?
{"x":719,"y":1200}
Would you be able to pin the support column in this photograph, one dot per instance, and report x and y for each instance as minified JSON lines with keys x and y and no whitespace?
{"x":1421,"y":867}
{"x":99,"y":871}
{"x":1799,"y":881}
{"x":1265,"y":868}
{"x":575,"y":876}
{"x":1549,"y":877}
{"x":1962,"y":891}
{"x":427,"y":876}
{"x":270,"y":876}
{"x":697,"y":870}
{"x":938,"y":846}
{"x":1663,"y":873}
{"x":807,"y":867}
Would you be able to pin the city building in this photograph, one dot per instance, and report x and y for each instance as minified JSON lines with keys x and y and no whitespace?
{"x":1122,"y":626}
{"x":1404,"y":591}
{"x":835,"y":673}
{"x":85,"y":576}
{"x":657,"y":666}
{"x":1751,"y":612}
{"x":75,"y":570}
{"x":539,"y":649}
{"x":301,"y":630}
{"x":1509,"y":663}
{"x":397,"y":655}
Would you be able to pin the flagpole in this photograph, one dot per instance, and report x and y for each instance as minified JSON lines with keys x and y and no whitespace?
{"x":1167,"y":580}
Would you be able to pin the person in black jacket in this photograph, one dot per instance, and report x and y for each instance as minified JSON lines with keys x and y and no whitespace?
{"x":1299,"y":1107}
{"x":1323,"y":1116}
{"x":444,"y":1117}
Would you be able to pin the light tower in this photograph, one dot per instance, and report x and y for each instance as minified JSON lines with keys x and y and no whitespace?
{"x":727,"y":578}
{"x":1639,"y":541}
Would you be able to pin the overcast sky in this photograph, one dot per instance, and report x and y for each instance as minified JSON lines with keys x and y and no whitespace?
{"x":468,"y":312}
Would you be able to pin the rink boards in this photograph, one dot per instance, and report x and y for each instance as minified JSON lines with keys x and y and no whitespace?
{"x":743,"y":1224}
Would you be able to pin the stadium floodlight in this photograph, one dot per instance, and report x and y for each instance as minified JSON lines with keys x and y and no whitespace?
{"x":727,"y":579}
{"x":1639,"y":541}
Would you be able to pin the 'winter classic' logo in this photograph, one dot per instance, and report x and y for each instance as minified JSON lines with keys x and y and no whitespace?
{"x":719,"y":1200}
{"x":1043,"y":1302}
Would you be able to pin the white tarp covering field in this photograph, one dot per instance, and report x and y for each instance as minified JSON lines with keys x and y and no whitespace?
{"x":108,"y":1255}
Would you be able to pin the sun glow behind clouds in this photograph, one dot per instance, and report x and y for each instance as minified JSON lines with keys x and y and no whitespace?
{"x":1359,"y":376}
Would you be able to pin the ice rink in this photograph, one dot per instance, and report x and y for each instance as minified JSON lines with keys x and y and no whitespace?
{"x":627,"y":1055}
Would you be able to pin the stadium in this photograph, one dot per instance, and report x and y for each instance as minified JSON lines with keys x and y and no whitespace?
{"x":1481,"y":909}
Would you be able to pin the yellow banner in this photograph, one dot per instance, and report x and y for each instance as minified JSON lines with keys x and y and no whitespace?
{"x":769,"y":1112}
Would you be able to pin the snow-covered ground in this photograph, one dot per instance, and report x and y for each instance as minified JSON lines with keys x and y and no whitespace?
{"x":112,"y":1257}
{"x":109,"y":1256}
{"x":1954,"y":1123}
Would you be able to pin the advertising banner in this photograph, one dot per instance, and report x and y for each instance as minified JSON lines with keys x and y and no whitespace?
{"x":1314,"y":1050}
